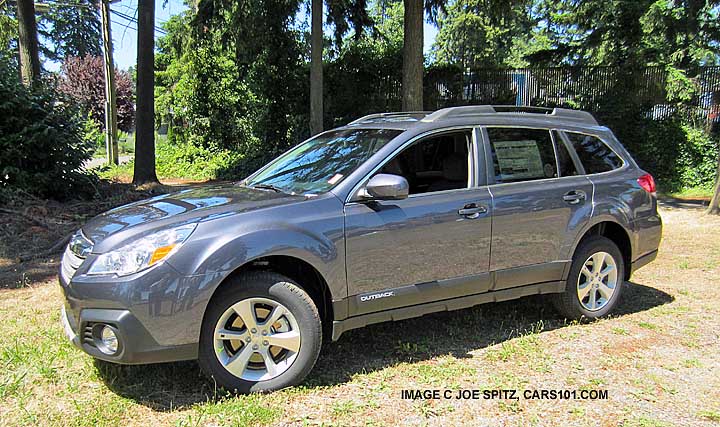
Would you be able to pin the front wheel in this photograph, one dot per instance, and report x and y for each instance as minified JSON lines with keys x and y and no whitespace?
{"x":261,"y":332}
{"x":595,"y":281}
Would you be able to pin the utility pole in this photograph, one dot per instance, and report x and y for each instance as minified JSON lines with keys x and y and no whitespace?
{"x":111,"y":130}
{"x":28,"y":42}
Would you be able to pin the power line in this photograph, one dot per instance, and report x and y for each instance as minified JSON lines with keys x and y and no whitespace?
{"x":134,"y":20}
{"x":129,"y":27}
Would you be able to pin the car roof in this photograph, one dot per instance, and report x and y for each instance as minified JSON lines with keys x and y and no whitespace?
{"x":478,"y":115}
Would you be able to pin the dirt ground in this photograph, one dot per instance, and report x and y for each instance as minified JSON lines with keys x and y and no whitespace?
{"x":657,"y":359}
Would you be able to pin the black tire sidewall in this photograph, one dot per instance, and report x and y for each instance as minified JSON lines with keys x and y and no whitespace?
{"x":278,"y":288}
{"x":588,"y":247}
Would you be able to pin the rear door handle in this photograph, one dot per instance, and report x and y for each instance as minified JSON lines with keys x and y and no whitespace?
{"x":472,"y":211}
{"x":574,"y":197}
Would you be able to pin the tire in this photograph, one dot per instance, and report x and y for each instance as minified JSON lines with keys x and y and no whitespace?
{"x":227,"y":352}
{"x":576,"y":302}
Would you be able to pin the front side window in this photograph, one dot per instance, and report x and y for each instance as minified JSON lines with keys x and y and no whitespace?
{"x":436,"y":163}
{"x":594,"y":154}
{"x":321,"y":163}
{"x":522,"y":154}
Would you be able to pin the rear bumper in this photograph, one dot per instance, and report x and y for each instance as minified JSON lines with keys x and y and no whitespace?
{"x":643,"y":261}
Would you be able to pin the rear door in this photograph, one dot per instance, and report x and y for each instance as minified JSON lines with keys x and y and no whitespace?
{"x":540,"y":200}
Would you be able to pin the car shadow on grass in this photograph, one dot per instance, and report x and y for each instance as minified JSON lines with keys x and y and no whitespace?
{"x":169,"y":386}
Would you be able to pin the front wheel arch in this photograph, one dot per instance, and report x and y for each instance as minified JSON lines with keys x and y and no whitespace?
{"x":304,"y":274}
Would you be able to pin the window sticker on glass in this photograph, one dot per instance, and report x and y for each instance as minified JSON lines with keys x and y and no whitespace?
{"x":337,"y":177}
{"x":519,"y":159}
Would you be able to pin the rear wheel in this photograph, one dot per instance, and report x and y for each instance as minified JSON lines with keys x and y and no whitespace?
{"x":595,"y":281}
{"x":261,"y":333}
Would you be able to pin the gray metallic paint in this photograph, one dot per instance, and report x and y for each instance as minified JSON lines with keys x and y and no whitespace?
{"x":451,"y":255}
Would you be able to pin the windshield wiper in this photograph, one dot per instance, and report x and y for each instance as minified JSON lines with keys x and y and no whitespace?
{"x":267,"y":187}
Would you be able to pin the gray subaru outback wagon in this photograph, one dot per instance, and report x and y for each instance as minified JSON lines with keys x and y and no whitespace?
{"x":393,"y":216}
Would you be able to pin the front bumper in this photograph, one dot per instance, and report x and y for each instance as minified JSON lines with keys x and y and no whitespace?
{"x":157,"y":313}
{"x":136,"y":344}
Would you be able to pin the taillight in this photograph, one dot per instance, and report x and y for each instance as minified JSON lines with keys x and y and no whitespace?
{"x":647,"y":182}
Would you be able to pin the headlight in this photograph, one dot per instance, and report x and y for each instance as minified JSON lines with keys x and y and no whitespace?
{"x":142,"y":253}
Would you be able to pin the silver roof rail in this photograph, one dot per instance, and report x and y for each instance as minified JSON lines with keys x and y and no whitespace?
{"x":482,"y":110}
{"x":417,"y":115}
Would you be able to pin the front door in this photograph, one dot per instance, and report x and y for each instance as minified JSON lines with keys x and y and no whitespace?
{"x":435,"y":244}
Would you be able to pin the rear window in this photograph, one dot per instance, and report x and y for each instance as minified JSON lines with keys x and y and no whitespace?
{"x":594,"y":154}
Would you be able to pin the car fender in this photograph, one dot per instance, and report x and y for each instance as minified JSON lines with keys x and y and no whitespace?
{"x":605,"y":212}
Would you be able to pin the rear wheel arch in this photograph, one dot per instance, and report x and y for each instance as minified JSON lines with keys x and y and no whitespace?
{"x":617,"y":234}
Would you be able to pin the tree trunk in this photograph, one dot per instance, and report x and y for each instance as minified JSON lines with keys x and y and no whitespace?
{"x":714,"y":208}
{"x":145,"y":114}
{"x":412,"y":86}
{"x":316,"y":68}
{"x":28,"y":41}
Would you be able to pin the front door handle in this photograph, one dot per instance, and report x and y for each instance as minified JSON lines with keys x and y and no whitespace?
{"x":472,"y":211}
{"x":574,"y":197}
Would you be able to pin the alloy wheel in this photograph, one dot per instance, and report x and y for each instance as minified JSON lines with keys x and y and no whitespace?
{"x":257,"y":339}
{"x":597,"y":281}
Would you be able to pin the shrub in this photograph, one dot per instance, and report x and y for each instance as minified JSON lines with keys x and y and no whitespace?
{"x":41,"y":140}
{"x":83,"y":79}
{"x":190,"y":161}
{"x":698,"y":159}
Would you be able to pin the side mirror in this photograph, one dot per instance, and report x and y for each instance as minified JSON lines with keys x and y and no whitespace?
{"x":385,"y":187}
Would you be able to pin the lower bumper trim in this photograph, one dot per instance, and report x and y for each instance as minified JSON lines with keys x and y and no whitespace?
{"x":643,"y":261}
{"x":136,"y":344}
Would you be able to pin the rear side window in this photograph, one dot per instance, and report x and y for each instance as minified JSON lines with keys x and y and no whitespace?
{"x":594,"y":154}
{"x":565,"y":161}
{"x":522,"y":154}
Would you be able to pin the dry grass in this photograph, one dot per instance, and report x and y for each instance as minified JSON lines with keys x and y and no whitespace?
{"x":658,"y":358}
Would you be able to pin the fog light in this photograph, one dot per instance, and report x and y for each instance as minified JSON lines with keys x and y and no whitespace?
{"x":109,"y":340}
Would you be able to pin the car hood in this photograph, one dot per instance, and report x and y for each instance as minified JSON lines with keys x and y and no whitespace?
{"x":190,"y":205}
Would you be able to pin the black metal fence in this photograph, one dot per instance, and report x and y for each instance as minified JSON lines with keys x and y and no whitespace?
{"x":590,"y":88}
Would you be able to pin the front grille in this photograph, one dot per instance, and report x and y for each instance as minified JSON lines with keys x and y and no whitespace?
{"x":69,"y":265}
{"x":75,"y":253}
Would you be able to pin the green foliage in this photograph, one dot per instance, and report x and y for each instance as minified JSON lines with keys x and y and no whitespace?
{"x":680,"y":88}
{"x":698,"y":160}
{"x":230,"y":79}
{"x":8,"y":35}
{"x":373,"y":63}
{"x":200,"y":94}
{"x":483,"y":33}
{"x":71,"y":29}
{"x":680,"y":156}
{"x":234,"y":77}
{"x":683,"y":33}
{"x":41,"y":140}
{"x":187,"y":160}
{"x":93,"y":132}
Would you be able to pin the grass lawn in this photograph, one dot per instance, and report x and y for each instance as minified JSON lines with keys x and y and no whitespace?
{"x":697,"y":193}
{"x":658,"y":358}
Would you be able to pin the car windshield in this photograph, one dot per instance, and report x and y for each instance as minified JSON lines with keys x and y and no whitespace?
{"x":319,"y":164}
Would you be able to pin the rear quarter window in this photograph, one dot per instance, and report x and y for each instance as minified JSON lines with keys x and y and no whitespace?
{"x":594,"y":154}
